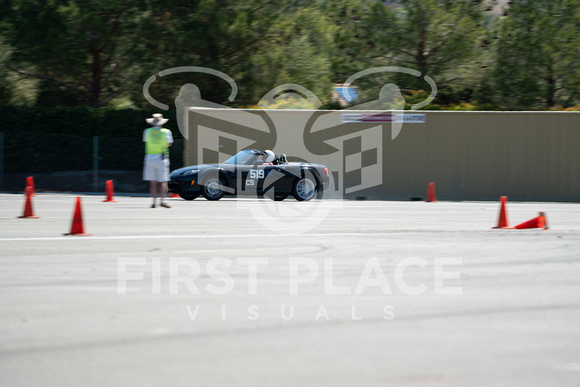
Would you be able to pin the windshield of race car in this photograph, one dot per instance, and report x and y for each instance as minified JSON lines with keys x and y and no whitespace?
{"x":245,"y":157}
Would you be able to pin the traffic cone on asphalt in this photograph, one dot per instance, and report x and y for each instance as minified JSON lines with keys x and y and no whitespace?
{"x":541,"y":221}
{"x":30,"y":184}
{"x":77,"y":227}
{"x":110,"y":191}
{"x":431,"y":193}
{"x":28,"y":210}
{"x":502,"y":221}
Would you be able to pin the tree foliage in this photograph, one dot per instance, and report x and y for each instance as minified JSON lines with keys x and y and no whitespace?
{"x":97,"y":53}
{"x":538,"y":55}
{"x":82,"y":46}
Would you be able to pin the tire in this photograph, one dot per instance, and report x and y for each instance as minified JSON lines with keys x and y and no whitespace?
{"x":212,"y":188}
{"x":189,"y":196}
{"x":304,"y":189}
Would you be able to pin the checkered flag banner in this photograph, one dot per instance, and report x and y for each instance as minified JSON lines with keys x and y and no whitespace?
{"x":362,"y":155}
{"x":354,"y":158}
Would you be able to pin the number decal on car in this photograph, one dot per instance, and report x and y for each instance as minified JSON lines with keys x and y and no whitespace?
{"x":256,"y":173}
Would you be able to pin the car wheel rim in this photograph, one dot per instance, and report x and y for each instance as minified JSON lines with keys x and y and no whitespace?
{"x":305,"y":189}
{"x":213,"y":188}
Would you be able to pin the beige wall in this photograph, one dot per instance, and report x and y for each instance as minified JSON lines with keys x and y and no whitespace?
{"x":530,"y":156}
{"x":483,"y":155}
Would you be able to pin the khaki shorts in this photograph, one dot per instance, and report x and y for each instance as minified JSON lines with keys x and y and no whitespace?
{"x":156,"y":168}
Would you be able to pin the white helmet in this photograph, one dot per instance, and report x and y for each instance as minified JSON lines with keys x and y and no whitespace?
{"x":270,"y":156}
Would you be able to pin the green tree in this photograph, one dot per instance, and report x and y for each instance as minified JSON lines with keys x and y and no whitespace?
{"x":81,"y":46}
{"x":538,"y":55}
{"x":221,"y":35}
{"x":363,"y":32}
{"x":440,"y":38}
{"x":259,"y":43}
{"x":13,"y":88}
{"x":298,"y":50}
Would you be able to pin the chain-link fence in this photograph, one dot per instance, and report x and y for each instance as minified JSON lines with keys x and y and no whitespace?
{"x":61,"y":162}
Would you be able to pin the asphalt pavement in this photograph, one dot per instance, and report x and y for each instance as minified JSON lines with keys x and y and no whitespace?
{"x":251,"y":292}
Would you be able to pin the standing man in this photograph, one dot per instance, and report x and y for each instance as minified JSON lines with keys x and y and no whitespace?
{"x":156,"y":167}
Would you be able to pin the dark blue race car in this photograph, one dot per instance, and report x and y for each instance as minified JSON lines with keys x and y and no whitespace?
{"x":246,"y":174}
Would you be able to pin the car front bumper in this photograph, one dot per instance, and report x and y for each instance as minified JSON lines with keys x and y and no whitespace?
{"x":178,"y":186}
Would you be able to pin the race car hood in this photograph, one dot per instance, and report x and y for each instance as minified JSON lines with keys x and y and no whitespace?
{"x":200,"y":167}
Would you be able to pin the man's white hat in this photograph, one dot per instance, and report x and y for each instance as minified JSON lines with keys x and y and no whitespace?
{"x":157,"y":120}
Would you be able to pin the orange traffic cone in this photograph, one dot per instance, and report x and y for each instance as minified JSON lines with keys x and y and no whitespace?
{"x":541,"y":221}
{"x":502,"y":221}
{"x":431,"y":193}
{"x":77,"y":227}
{"x":30,"y":184}
{"x":110,"y":191}
{"x":28,"y":210}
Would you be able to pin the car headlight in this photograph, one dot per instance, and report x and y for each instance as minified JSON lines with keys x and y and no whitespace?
{"x":189,"y":172}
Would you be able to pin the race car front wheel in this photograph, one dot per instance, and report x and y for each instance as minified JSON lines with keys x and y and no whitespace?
{"x":213,"y":188}
{"x":304,"y":189}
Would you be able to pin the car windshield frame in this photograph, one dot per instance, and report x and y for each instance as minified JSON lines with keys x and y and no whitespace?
{"x":245,"y":157}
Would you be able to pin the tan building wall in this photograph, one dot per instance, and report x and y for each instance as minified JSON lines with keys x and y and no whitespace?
{"x":529,"y":156}
{"x":483,"y":155}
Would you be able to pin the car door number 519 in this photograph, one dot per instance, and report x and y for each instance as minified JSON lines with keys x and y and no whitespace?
{"x":254,"y":174}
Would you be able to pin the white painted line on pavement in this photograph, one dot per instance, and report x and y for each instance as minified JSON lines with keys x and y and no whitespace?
{"x":73,"y":288}
{"x":73,"y":237}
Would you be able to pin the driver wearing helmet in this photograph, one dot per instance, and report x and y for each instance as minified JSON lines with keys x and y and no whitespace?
{"x":268,"y":157}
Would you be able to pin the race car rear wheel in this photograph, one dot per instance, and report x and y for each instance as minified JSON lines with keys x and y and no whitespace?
{"x":304,"y":189}
{"x":213,"y":188}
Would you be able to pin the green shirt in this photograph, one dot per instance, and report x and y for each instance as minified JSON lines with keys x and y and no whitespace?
{"x":156,"y":141}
